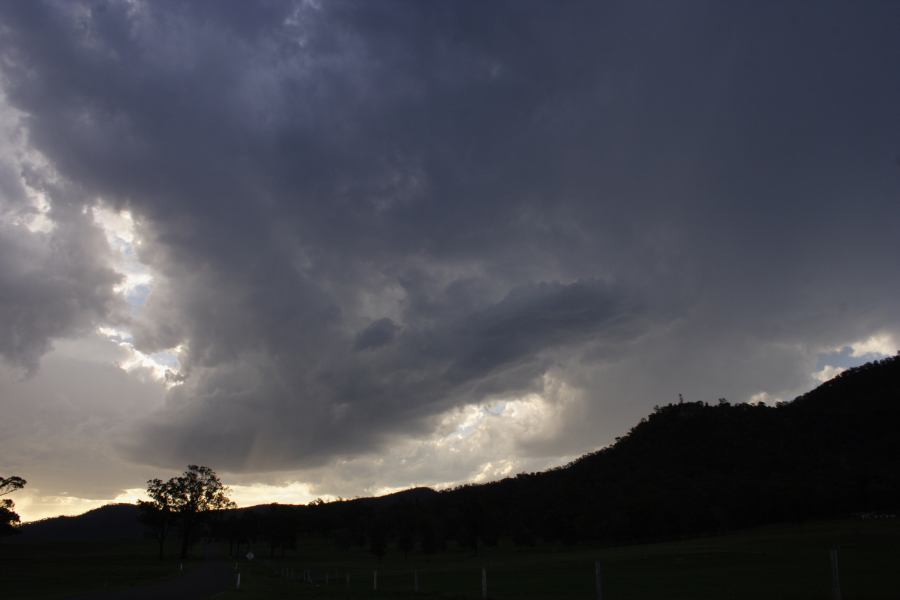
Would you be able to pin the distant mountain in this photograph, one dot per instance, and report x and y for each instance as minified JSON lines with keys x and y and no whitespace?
{"x":113,"y":522}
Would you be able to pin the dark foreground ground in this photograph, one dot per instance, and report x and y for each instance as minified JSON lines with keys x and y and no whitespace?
{"x":774,"y":562}
{"x":201,"y":580}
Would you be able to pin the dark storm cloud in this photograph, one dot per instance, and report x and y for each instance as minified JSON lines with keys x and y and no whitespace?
{"x":52,"y":287}
{"x":284,"y":412}
{"x":54,"y":275}
{"x":377,"y":334}
{"x":363,"y":214}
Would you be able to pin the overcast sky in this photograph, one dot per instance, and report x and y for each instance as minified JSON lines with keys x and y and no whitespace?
{"x":339,"y":248}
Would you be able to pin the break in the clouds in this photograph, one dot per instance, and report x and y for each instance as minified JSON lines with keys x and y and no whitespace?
{"x":322,"y":229}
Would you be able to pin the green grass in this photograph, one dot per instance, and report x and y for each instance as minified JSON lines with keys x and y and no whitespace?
{"x":789,"y":562}
{"x":776,"y":562}
{"x":57,"y":570}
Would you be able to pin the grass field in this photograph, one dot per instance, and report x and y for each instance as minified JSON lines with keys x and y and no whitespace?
{"x":778,"y":562}
{"x":771,"y":563}
{"x":57,"y":570}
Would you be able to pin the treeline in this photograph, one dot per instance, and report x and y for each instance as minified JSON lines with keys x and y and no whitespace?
{"x":688,"y":468}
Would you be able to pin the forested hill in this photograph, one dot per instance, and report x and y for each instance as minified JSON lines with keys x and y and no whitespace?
{"x":113,"y":522}
{"x":686,"y":469}
{"x":695,"y":467}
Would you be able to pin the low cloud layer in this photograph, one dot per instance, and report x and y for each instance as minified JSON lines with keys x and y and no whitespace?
{"x":274,"y":412}
{"x":349,"y":220}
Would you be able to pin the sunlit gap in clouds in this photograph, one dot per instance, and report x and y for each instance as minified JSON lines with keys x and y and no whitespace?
{"x":38,"y":220}
{"x":834,"y":361}
{"x":135,"y":287}
{"x":474,"y":443}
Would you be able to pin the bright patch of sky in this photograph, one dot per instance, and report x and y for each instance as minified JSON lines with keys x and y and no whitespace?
{"x":835,"y":361}
{"x":37,"y":221}
{"x":764,"y":398}
{"x":137,"y":284}
{"x":162,"y":366}
{"x":523,"y":417}
{"x":293,"y":492}
{"x":119,"y":228}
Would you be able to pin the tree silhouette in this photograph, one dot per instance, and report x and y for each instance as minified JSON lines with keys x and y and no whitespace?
{"x":188,"y":497}
{"x":159,"y":513}
{"x":8,"y":516}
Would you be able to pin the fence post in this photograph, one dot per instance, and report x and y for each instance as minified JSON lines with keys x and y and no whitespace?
{"x":483,"y":582}
{"x":347,"y":576}
{"x":416,"y":581}
{"x":375,"y":580}
{"x":598,"y":579}
{"x":835,"y":575}
{"x":237,"y":585}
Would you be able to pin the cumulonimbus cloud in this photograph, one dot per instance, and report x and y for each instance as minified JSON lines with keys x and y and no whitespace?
{"x":361,"y":215}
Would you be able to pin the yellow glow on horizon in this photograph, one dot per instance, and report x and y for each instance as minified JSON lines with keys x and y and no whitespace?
{"x":34,"y":506}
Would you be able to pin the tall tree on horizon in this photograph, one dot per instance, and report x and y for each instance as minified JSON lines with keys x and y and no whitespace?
{"x":159,"y":512}
{"x":8,"y":515}
{"x":187,"y":497}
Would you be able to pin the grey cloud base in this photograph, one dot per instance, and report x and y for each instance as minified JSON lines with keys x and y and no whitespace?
{"x":362,"y":215}
{"x":274,"y":414}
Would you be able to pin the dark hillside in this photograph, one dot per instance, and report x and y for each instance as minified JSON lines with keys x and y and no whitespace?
{"x":694,"y":467}
{"x":114,"y":522}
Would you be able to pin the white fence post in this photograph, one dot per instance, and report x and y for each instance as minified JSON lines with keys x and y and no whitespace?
{"x":237,"y":585}
{"x":835,"y":575}
{"x":598,"y":579}
{"x":416,"y":581}
{"x":375,"y":579}
{"x":483,"y":582}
